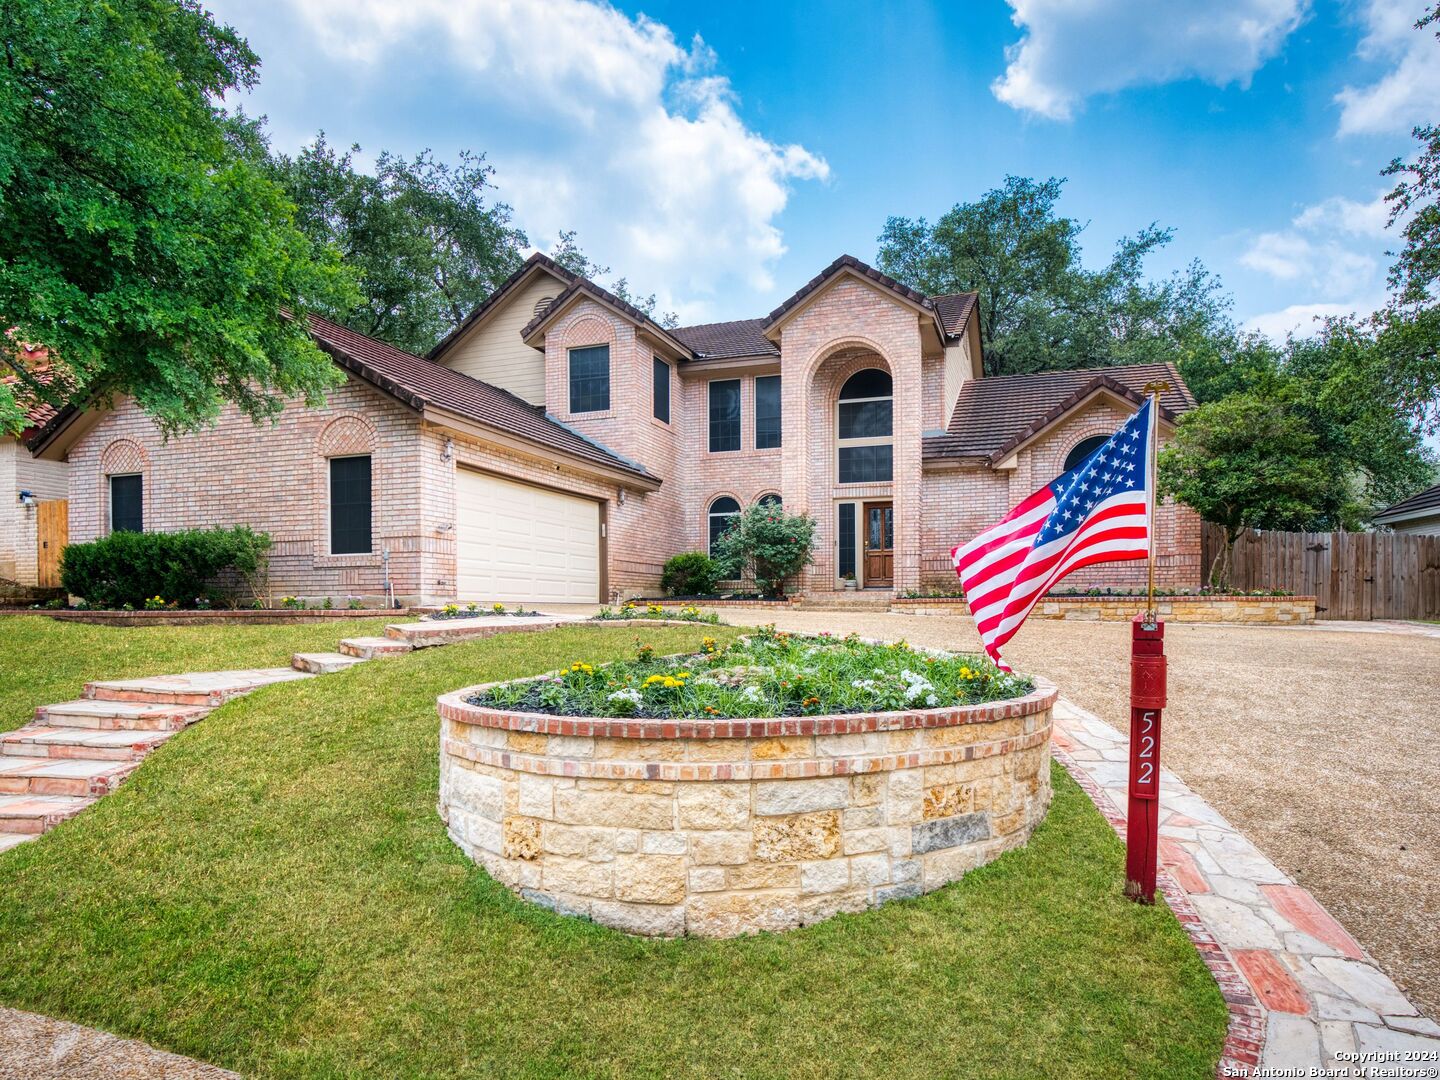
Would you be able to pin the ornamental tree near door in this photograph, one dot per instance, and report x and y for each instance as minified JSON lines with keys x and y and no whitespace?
{"x":768,"y":545}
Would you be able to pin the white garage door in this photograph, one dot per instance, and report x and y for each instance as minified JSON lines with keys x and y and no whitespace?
{"x":519,"y":543}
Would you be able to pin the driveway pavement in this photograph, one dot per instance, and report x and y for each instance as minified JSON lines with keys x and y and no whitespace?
{"x":1322,"y":746}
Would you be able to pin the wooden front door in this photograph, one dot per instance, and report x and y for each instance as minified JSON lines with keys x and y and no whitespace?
{"x":879,"y":544}
{"x":52,"y":533}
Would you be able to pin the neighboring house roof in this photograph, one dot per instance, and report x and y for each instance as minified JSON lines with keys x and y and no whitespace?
{"x":1423,"y":504}
{"x":534,"y":262}
{"x":37,"y":413}
{"x":996,"y":414}
{"x":419,"y":382}
{"x":742,"y":337}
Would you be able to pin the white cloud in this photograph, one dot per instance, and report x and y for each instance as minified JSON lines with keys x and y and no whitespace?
{"x":1406,"y":94}
{"x":635,"y":144}
{"x":1342,"y":215}
{"x":1075,"y":48}
{"x":1301,"y":320}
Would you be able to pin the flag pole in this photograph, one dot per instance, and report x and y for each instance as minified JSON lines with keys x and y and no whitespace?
{"x":1147,"y":703}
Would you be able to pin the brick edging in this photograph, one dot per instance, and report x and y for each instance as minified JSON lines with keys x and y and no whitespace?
{"x":1245,"y":1033}
{"x":264,"y":616}
{"x":453,"y":706}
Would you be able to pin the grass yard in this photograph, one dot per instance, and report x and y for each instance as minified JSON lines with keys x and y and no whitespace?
{"x":46,"y":661}
{"x":273,"y":892}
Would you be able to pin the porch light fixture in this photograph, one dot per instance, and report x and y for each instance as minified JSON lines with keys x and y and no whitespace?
{"x":27,"y":498}
{"x":448,"y":452}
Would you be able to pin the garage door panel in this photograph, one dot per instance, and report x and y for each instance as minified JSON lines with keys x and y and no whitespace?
{"x":518,"y":543}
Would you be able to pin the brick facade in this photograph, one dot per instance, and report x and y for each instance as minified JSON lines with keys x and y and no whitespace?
{"x":275,"y":478}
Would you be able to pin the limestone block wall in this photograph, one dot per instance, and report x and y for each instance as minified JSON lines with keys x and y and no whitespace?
{"x":726,"y":827}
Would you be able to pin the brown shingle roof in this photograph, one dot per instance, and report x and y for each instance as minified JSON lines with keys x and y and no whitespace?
{"x":864,"y":270}
{"x":742,"y":337}
{"x":419,"y":382}
{"x":995,"y":414}
{"x":955,"y":309}
{"x":1429,"y":499}
{"x":505,"y":286}
{"x":37,"y":413}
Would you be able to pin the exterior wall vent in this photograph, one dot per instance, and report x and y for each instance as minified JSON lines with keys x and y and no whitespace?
{"x":543,"y":305}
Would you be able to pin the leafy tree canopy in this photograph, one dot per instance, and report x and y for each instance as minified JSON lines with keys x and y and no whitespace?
{"x":568,"y":254}
{"x":1040,"y":308}
{"x":423,"y":240}
{"x":137,"y":243}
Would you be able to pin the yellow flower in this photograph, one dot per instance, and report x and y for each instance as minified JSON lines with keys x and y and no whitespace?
{"x":682,"y":674}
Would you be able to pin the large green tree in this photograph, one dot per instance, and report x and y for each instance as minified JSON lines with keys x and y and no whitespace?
{"x":1041,"y":309}
{"x":424,"y":240}
{"x":136,"y":243}
{"x":1246,"y":461}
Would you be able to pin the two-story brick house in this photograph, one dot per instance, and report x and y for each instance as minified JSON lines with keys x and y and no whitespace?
{"x":560,"y":445}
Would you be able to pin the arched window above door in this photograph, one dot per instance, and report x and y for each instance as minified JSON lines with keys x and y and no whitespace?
{"x":864,"y":428}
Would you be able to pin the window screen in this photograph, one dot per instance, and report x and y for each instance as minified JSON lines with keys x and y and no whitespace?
{"x":590,"y":379}
{"x":350,"y":506}
{"x":127,"y":503}
{"x":767,"y":412}
{"x":724,"y":415}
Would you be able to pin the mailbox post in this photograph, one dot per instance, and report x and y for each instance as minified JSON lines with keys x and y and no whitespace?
{"x":1147,"y":701}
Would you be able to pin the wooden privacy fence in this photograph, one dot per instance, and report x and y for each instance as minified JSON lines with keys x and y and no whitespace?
{"x":1351,"y":575}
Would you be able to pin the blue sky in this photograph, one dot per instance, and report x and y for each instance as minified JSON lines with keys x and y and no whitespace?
{"x":720,"y":154}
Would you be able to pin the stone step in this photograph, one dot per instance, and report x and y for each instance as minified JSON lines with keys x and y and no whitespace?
{"x":368,"y":648}
{"x":9,"y":840}
{"x":61,"y":776}
{"x":446,"y":631}
{"x":36,"y":813}
{"x":49,"y":741}
{"x":99,"y":715}
{"x":204,"y":688}
{"x":324,"y":663}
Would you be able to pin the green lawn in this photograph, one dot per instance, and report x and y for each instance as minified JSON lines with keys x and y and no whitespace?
{"x":45,"y":661}
{"x":273,"y":891}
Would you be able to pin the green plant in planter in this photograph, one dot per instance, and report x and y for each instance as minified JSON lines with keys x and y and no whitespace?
{"x":766,"y":543}
{"x":692,"y":573}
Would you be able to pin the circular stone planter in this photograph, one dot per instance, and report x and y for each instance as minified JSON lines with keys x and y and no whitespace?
{"x":725,"y":827}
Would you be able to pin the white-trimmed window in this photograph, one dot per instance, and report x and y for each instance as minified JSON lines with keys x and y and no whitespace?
{"x":722,"y":512}
{"x":864,"y":428}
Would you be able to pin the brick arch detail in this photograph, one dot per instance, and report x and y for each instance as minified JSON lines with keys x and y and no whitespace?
{"x":346,"y":436}
{"x":124,"y":456}
{"x":588,"y":329}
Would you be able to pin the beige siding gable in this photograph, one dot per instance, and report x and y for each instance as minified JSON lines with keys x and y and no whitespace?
{"x":493,"y":351}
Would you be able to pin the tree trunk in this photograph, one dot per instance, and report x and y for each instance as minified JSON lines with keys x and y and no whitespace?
{"x":1224,"y":565}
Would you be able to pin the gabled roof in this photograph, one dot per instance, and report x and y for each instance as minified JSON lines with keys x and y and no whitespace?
{"x":419,"y":382}
{"x":1418,"y":505}
{"x":955,"y":310}
{"x":848,"y":263}
{"x":535,"y":263}
{"x":713,"y":341}
{"x":581,"y":286}
{"x":995,"y":415}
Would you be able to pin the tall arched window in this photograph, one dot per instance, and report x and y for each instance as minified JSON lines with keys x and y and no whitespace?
{"x":1083,"y":449}
{"x":770,"y":499}
{"x":722,"y":511}
{"x":864,"y":428}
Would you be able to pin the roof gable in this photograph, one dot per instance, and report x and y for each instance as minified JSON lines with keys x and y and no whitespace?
{"x":583,"y":288}
{"x":997,"y":415}
{"x":536,"y":265}
{"x":849,"y":266}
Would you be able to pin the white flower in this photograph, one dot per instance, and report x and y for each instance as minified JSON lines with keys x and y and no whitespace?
{"x":631,"y":695}
{"x":932,"y":701}
{"x":751,"y":693}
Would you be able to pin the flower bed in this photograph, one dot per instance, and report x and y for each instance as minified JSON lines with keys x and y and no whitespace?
{"x":630,"y":611}
{"x":475,"y":611}
{"x":762,"y":786}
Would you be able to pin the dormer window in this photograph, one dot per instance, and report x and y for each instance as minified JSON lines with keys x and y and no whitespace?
{"x":590,"y":379}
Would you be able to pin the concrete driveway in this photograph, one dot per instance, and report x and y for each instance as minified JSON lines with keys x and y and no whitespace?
{"x":1322,"y":746}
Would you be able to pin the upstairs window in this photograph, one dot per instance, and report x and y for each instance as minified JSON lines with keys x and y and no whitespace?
{"x":722,"y":512}
{"x":767,"y":412}
{"x":350,"y":506}
{"x":590,"y":379}
{"x":724,"y":415}
{"x":864,"y":428}
{"x":662,"y":390}
{"x":1083,"y":449}
{"x":127,"y":503}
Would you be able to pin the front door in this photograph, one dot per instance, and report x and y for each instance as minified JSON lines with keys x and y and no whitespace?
{"x":879,"y":545}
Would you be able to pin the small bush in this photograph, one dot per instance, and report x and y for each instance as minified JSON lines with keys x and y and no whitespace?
{"x":768,"y":545}
{"x":692,"y":574}
{"x":129,"y":569}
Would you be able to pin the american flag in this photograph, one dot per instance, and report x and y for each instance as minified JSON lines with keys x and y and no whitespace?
{"x":1098,"y":512}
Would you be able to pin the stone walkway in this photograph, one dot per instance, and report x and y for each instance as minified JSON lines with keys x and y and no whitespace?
{"x":1305,"y":992}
